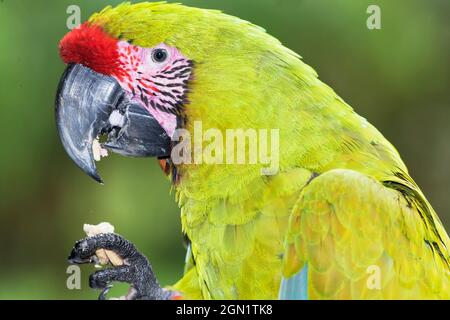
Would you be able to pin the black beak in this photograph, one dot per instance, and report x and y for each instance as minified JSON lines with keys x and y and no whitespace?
{"x":89,"y":104}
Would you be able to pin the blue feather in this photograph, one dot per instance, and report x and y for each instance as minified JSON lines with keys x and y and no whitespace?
{"x":295,"y":287}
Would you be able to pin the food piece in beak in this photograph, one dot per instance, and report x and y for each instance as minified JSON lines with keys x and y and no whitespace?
{"x":89,"y":104}
{"x":98,"y":151}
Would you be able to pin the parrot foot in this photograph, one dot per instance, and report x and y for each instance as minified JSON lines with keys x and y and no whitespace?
{"x":135,"y":270}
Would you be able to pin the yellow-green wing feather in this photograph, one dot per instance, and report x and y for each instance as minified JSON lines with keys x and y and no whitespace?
{"x":364,"y":239}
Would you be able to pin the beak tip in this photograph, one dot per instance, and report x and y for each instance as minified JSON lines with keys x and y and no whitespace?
{"x":96,"y":177}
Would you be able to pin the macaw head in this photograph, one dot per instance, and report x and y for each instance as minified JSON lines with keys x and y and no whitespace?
{"x":138,"y":72}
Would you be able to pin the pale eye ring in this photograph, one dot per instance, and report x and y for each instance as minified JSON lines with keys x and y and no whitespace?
{"x":160,"y":55}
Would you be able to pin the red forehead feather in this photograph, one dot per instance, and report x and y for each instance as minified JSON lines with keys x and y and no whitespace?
{"x":91,"y":46}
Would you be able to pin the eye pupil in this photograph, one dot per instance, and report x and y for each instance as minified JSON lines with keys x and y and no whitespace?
{"x":159,"y":55}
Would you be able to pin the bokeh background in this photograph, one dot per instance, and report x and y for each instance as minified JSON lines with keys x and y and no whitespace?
{"x":397,"y":77}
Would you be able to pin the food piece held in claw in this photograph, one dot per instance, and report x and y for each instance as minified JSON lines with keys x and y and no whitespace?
{"x":104,"y":256}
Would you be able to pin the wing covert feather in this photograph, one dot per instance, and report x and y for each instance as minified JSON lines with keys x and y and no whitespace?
{"x":363,"y":240}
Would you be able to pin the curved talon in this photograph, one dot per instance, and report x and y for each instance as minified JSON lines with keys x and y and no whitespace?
{"x":104,"y":292}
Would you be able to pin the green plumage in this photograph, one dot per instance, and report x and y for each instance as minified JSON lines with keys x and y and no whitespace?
{"x":246,"y":228}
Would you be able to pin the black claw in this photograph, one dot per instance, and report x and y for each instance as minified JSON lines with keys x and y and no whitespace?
{"x":99,"y":279}
{"x":104,"y":292}
{"x":136,"y":271}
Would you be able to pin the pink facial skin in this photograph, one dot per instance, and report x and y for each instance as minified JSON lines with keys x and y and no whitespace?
{"x":160,"y":86}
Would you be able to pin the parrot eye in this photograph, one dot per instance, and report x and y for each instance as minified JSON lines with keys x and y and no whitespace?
{"x":159,"y":55}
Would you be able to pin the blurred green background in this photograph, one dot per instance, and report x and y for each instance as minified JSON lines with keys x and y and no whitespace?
{"x":397,"y":77}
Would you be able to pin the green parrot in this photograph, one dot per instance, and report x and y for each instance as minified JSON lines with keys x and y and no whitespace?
{"x":340,"y":218}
